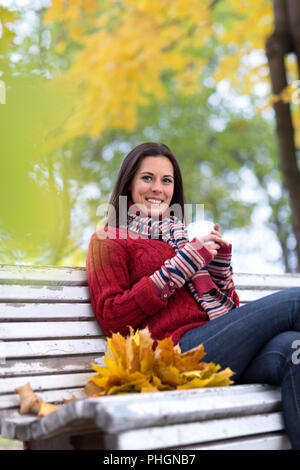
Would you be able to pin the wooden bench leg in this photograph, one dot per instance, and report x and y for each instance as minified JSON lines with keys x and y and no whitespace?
{"x":92,"y":441}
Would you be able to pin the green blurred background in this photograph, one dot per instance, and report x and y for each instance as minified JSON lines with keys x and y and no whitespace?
{"x":51,"y":184}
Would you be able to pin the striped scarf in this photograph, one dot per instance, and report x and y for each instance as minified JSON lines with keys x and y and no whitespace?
{"x":170,"y":229}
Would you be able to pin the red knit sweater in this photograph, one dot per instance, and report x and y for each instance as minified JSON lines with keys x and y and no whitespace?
{"x":122,"y":292}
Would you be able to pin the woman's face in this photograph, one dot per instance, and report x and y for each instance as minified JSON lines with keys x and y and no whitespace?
{"x":153,"y":184}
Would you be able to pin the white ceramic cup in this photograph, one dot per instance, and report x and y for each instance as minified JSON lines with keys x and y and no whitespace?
{"x":199,"y":228}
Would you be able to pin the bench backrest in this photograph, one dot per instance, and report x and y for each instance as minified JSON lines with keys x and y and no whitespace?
{"x":49,"y":335}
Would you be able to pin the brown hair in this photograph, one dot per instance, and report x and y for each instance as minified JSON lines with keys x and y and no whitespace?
{"x":129,"y":167}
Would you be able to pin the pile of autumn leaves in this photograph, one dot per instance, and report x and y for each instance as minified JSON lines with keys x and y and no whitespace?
{"x":132,"y":364}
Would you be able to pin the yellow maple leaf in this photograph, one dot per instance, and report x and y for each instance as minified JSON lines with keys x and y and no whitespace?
{"x":47,"y":408}
{"x":143,"y":369}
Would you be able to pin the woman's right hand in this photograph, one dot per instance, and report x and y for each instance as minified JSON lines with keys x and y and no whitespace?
{"x":212,"y":248}
{"x":212,"y":242}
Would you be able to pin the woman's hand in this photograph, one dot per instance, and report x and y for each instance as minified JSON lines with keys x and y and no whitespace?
{"x":220,"y":241}
{"x":213,"y":241}
{"x":216,"y":231}
{"x":212,"y":247}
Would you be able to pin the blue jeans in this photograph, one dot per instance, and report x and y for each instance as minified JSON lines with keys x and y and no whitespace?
{"x":257,"y":341}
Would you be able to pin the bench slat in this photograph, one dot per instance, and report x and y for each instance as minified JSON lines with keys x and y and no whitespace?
{"x":168,"y":408}
{"x":39,"y":330}
{"x":269,"y":281}
{"x":51,"y":365}
{"x":195,"y":433}
{"x":22,"y":427}
{"x":247,"y":296}
{"x":19,"y":294}
{"x":43,"y":274}
{"x":9,"y":401}
{"x":270,"y":441}
{"x":77,"y":276}
{"x":54,"y":347}
{"x":45,"y":382}
{"x":44,"y":311}
{"x":36,"y":293}
{"x":115,"y":414}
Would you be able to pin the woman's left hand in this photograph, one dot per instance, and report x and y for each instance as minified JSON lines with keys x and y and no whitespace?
{"x":216,"y":231}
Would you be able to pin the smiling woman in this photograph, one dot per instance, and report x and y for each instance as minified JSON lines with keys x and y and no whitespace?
{"x":151,"y":275}
{"x":139,"y":242}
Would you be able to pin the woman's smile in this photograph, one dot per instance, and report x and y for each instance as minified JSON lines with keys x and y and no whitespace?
{"x":154,"y":201}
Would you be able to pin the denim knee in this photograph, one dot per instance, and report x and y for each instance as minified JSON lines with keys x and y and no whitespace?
{"x":272,"y":362}
{"x":285,"y":344}
{"x":293,"y":299}
{"x":291,"y":293}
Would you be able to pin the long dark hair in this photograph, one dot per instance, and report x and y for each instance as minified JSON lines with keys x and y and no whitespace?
{"x":128,"y":169}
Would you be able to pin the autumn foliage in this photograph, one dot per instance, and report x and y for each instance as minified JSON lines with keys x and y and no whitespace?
{"x":132,"y":364}
{"x":116,"y":55}
{"x":125,"y":49}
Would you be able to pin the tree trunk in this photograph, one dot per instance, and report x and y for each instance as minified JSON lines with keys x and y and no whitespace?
{"x":280,"y":43}
{"x":293,"y":14}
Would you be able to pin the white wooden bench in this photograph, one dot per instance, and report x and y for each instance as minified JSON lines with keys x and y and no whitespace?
{"x":48,"y":337}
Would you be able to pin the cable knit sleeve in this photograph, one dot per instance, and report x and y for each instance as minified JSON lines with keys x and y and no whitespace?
{"x":116,"y":303}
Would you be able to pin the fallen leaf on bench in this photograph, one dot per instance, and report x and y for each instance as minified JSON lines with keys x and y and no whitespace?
{"x":133,"y":365}
{"x":31,"y":403}
{"x":47,"y":408}
{"x":91,"y":389}
{"x":68,"y":400}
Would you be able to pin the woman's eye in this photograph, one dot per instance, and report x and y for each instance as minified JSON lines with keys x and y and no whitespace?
{"x":148,"y":178}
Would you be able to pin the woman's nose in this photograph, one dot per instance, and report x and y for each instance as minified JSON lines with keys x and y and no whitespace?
{"x":156,"y":186}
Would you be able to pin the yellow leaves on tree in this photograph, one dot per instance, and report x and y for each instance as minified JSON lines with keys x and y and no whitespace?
{"x":124,"y":52}
{"x":70,"y":10}
{"x":244,"y":41}
{"x":126,"y":47}
{"x":133,"y":365}
{"x":7,"y":35}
